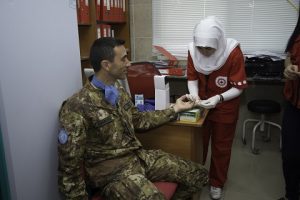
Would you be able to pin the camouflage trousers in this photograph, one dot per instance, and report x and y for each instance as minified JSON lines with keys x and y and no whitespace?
{"x":156,"y":165}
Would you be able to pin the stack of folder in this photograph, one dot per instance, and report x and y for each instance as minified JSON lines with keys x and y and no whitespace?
{"x":170,"y":62}
{"x":168,"y":57}
{"x":110,"y":10}
{"x":104,"y":30}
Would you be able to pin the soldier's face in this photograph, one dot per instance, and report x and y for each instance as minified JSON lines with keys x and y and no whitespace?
{"x":119,"y":67}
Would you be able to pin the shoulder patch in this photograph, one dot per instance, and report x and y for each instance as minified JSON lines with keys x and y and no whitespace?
{"x":63,"y":136}
{"x":127,"y":105}
{"x":104,"y":121}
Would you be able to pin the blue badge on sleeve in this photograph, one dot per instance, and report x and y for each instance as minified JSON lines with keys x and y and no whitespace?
{"x":62,"y":136}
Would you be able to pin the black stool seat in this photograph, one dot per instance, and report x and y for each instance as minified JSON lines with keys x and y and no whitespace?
{"x":264,"y":106}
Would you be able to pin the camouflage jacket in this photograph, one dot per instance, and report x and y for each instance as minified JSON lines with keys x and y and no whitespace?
{"x":100,"y":138}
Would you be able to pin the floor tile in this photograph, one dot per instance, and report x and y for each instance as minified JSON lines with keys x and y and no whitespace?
{"x":253,"y":177}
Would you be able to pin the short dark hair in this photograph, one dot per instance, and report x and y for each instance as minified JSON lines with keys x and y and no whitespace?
{"x":103,"y":49}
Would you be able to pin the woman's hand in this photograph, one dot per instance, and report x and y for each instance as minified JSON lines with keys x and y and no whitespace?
{"x":211,"y":102}
{"x":291,"y":72}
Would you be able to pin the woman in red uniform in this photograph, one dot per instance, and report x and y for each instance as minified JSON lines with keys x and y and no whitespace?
{"x":291,"y":118}
{"x":216,"y":78}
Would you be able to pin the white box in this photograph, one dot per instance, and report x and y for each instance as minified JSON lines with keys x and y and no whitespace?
{"x":162,"y":99}
{"x":162,"y":93}
{"x":160,"y":82}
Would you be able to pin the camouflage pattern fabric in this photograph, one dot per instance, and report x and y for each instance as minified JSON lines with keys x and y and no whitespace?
{"x":101,"y":147}
{"x":156,"y":165}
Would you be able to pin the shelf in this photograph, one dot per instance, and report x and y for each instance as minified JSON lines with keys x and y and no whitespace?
{"x":110,"y":22}
{"x":84,"y":25}
{"x":84,"y":58}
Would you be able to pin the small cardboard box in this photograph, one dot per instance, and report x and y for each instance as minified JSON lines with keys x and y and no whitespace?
{"x":190,"y":115}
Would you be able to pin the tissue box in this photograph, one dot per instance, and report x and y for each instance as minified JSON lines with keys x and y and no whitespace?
{"x":162,"y":99}
{"x":162,"y":93}
{"x":190,"y":115}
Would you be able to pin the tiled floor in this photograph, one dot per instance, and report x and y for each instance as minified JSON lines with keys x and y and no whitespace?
{"x":253,"y":177}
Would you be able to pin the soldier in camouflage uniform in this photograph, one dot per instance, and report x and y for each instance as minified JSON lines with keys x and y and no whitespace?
{"x":97,"y":143}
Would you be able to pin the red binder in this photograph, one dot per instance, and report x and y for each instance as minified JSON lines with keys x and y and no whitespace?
{"x":112,"y":33}
{"x":83,"y":12}
{"x":99,"y":35}
{"x":103,"y":30}
{"x":105,"y":10}
{"x":123,"y":11}
{"x":108,"y":30}
{"x":119,"y":12}
{"x":98,"y":9}
{"x":113,"y":10}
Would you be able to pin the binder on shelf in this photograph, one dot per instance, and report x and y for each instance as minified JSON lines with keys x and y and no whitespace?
{"x":105,"y":10}
{"x":77,"y":11}
{"x":118,"y":19}
{"x":83,"y":12}
{"x":110,"y":11}
{"x":113,"y":11}
{"x":98,"y":32}
{"x":112,"y":33}
{"x":117,"y":11}
{"x":98,"y":9}
{"x":123,"y":11}
{"x":108,"y":29}
{"x":103,"y":30}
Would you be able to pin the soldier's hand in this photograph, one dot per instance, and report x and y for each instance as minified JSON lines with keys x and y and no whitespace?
{"x":194,"y":98}
{"x":183,"y":103}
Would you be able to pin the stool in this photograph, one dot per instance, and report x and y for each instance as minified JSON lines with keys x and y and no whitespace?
{"x":262,"y":107}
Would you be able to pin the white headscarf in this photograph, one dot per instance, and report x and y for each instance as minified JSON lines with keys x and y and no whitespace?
{"x":209,"y":33}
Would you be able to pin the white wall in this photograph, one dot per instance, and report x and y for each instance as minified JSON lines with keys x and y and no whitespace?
{"x":39,"y":68}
